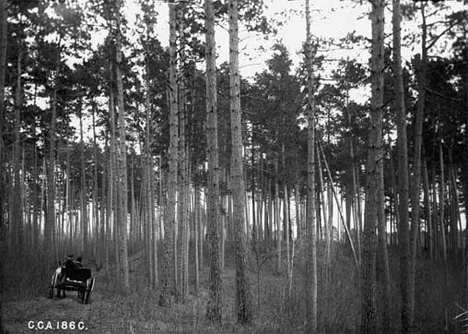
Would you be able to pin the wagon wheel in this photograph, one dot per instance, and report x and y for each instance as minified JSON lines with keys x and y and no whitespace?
{"x":52,"y":285}
{"x":89,"y":289}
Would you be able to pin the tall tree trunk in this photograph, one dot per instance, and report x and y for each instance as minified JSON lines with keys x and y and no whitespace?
{"x":416,"y":179}
{"x":213,"y":313}
{"x":286,"y":212}
{"x":168,"y":271}
{"x":122,"y":160}
{"x":435,"y":210}
{"x":395,"y":223}
{"x":442,"y":205}
{"x":49,"y":228}
{"x":243,"y":297}
{"x":454,"y":213}
{"x":466,"y":176}
{"x":3,"y":47}
{"x":383,"y":255}
{"x":83,"y":200}
{"x":196,"y":232}
{"x":277,"y":220}
{"x":311,"y":211}
{"x":153,"y":249}
{"x":403,"y":178}
{"x":98,"y":223}
{"x":17,"y":214}
{"x":112,"y":204}
{"x":183,"y":193}
{"x":427,"y":207}
{"x":254,"y":221}
{"x":373,"y":170}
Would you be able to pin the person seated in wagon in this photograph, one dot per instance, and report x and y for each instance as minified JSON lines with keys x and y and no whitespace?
{"x":74,"y":270}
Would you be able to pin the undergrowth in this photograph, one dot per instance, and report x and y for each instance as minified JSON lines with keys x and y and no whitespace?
{"x":279,"y":307}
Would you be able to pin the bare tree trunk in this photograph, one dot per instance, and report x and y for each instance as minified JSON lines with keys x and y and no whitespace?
{"x":435,"y":216}
{"x":269,"y":222}
{"x":454,"y":206}
{"x":243,"y":297}
{"x":442,"y":205}
{"x":183,"y":194}
{"x":168,"y":271}
{"x":297,"y":201}
{"x":311,"y":231}
{"x":403,"y":179}
{"x":112,"y":204}
{"x":196,"y":238}
{"x":49,"y":228}
{"x":427,"y":206}
{"x":152,"y":247}
{"x":83,"y":200}
{"x":416,"y":179}
{"x":3,"y":48}
{"x":213,"y":313}
{"x":383,"y":255}
{"x":277,"y":220}
{"x":17,"y":214}
{"x":466,"y":178}
{"x":373,"y":170}
{"x":395,"y":192}
{"x":286,"y":214}
{"x":98,"y":223}
{"x":327,"y":223}
{"x":252,"y":184}
{"x":122,"y":161}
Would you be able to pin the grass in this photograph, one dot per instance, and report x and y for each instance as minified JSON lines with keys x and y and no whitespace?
{"x":277,"y":308}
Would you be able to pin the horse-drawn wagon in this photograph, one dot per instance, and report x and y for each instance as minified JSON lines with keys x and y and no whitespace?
{"x":67,"y":277}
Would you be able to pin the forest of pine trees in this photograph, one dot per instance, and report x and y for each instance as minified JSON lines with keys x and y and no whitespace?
{"x":206,"y":200}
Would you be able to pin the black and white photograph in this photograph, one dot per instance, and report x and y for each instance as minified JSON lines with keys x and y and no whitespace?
{"x":233,"y":166}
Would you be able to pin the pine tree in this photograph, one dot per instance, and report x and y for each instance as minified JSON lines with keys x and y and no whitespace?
{"x":243,"y":298}
{"x":403,"y":183}
{"x":373,"y":170}
{"x":169,"y":259}
{"x":311,"y":208}
{"x":122,"y":157}
{"x":214,"y":302}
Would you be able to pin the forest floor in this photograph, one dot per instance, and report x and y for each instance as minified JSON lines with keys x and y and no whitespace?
{"x":276,"y":308}
{"x":110,"y":311}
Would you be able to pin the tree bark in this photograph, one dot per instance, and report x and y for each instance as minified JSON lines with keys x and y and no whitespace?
{"x":416,"y":179}
{"x":277,"y":220}
{"x":168,"y":271}
{"x":122,"y":161}
{"x":311,"y":210}
{"x":83,"y":200}
{"x":17,"y":214}
{"x":403,"y":178}
{"x":213,"y":313}
{"x":427,"y":206}
{"x":373,"y":171}
{"x":442,"y":205}
{"x":243,"y":297}
{"x":49,"y":228}
{"x":3,"y":48}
